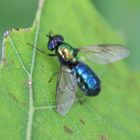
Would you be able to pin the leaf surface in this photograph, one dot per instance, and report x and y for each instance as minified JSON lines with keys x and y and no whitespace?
{"x":27,"y":100}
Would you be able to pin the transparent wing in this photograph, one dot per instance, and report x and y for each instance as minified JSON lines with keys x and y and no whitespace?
{"x":104,"y":54}
{"x":66,"y":90}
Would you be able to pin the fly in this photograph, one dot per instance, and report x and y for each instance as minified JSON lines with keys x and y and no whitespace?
{"x":75,"y":73}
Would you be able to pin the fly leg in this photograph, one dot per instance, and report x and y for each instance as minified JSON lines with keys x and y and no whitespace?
{"x":38,"y":49}
{"x":53,"y":76}
{"x":80,"y":99}
{"x":51,"y":54}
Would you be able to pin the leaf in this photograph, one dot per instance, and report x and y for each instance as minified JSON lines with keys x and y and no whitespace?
{"x":27,"y":100}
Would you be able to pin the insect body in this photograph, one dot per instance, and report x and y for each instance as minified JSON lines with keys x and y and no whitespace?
{"x":87,"y":80}
{"x":75,"y":73}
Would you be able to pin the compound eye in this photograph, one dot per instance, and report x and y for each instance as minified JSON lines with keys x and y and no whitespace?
{"x":51,"y":45}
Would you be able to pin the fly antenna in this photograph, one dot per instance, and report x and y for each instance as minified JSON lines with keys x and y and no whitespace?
{"x":36,"y":48}
{"x":49,"y":35}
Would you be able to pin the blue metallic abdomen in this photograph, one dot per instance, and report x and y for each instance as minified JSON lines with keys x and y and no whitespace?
{"x":87,"y":80}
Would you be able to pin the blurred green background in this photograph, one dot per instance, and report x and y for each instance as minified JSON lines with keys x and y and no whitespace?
{"x":16,"y":13}
{"x":122,"y":15}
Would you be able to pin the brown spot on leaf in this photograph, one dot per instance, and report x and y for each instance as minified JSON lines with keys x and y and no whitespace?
{"x":103,"y":137}
{"x":14,"y":98}
{"x":68,"y":130}
{"x":82,"y":121}
{"x":12,"y":62}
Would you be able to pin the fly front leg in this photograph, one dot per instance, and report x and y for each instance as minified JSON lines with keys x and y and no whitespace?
{"x":51,"y":54}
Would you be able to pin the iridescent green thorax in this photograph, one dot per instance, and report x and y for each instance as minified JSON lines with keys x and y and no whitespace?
{"x":66,"y":53}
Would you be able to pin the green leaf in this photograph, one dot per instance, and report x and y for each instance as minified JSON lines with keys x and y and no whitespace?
{"x":27,"y":100}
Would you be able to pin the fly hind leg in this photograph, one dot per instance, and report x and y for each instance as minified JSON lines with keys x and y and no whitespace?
{"x":81,"y":98}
